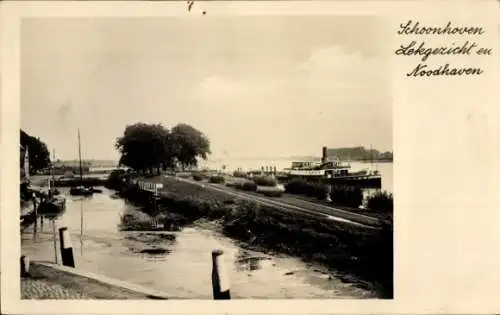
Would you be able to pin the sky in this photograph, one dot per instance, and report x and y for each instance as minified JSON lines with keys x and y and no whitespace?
{"x":255,"y":85}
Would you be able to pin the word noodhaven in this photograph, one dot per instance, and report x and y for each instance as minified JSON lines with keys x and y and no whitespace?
{"x":422,"y":70}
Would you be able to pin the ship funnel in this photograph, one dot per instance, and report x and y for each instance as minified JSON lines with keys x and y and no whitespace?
{"x":323,"y":155}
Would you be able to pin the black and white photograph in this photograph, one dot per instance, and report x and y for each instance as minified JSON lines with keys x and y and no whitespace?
{"x":206,"y":156}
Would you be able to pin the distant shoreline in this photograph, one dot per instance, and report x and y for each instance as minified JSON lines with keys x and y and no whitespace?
{"x":112,"y":164}
{"x":375,"y":160}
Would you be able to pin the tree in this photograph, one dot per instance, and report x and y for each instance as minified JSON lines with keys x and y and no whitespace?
{"x":149,"y":146}
{"x":189,"y":144}
{"x":39,"y":156}
{"x":145,"y":147}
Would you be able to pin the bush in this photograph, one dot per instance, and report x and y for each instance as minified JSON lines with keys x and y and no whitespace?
{"x":217,"y":179}
{"x":347,"y":196}
{"x":265,"y":181}
{"x":303,"y":187}
{"x":240,"y":174}
{"x":273,"y":193}
{"x":381,"y":201}
{"x":249,"y":186}
{"x":198,"y":177}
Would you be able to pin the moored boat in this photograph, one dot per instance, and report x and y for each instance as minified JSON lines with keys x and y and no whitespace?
{"x":52,"y":206}
{"x":332,"y":171}
{"x":81,"y":191}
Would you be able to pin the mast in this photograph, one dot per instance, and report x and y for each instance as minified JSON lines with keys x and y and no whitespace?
{"x":51,"y":184}
{"x":371,"y":157}
{"x":80,"y":155}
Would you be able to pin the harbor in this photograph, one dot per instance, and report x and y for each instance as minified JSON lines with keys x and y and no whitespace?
{"x":184,"y":267}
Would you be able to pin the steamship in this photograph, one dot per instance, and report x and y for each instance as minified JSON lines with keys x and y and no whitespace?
{"x":333,"y":171}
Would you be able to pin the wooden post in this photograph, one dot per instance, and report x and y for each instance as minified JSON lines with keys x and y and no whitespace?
{"x":66,"y":248}
{"x":220,"y":280}
{"x":36,"y":216}
{"x":25,"y":266}
{"x":55,"y":238}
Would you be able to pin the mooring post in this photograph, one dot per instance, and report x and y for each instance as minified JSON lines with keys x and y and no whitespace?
{"x":66,"y":248}
{"x":25,"y":266}
{"x":41,"y":223}
{"x":55,"y":238}
{"x":220,"y":280}
{"x":35,"y":209}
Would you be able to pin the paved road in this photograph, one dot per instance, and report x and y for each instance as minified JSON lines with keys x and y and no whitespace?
{"x":44,"y":289}
{"x":287,"y":203}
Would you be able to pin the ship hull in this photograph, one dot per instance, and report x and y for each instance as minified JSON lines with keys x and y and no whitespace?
{"x":358,"y":181}
{"x":366,"y":181}
{"x":52,"y":207}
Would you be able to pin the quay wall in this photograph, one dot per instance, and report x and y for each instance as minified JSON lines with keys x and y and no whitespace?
{"x":53,"y":281}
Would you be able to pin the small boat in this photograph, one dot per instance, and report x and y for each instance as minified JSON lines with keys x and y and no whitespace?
{"x":81,"y":191}
{"x":52,"y":206}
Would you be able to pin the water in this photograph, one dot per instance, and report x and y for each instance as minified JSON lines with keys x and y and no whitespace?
{"x":385,"y":169}
{"x":183,"y":267}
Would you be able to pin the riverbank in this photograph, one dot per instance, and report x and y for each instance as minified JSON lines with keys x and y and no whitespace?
{"x":365,"y":254}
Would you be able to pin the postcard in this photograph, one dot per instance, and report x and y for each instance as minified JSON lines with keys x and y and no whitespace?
{"x":250,"y":157}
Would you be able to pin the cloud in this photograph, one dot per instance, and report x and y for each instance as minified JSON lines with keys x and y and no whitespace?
{"x":333,"y":97}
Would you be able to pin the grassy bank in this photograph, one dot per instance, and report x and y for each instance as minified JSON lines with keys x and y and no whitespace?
{"x":365,"y":254}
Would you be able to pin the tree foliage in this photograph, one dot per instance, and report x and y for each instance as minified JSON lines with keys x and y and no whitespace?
{"x":189,"y":144}
{"x":152,"y":146}
{"x":39,"y":156}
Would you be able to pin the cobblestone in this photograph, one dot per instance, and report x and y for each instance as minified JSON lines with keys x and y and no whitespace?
{"x":50,"y":282}
{"x":44,"y":289}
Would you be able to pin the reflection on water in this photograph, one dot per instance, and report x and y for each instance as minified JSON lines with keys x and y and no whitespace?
{"x":149,"y":245}
{"x":245,"y":261}
{"x":177,"y":262}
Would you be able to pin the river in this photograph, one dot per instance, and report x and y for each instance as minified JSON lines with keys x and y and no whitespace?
{"x":184,"y":270}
